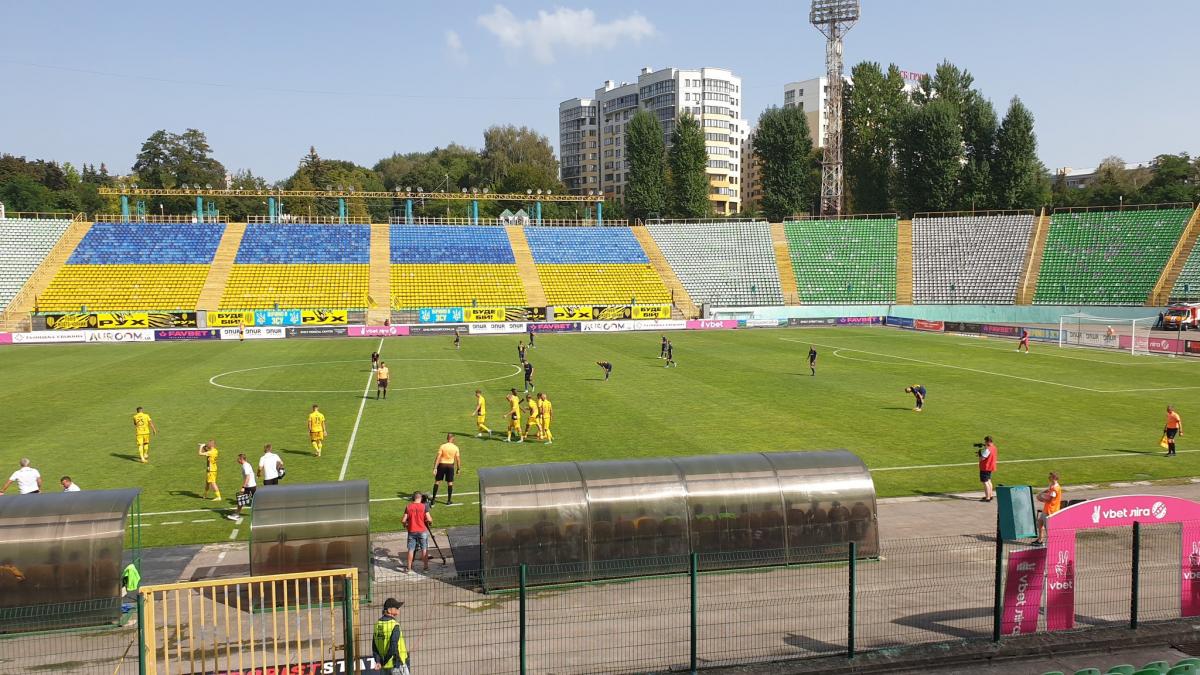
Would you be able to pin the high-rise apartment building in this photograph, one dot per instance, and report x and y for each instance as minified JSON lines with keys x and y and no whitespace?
{"x":579,"y":145}
{"x":712,"y":95}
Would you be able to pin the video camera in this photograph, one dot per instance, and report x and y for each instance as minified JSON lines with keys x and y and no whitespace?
{"x":978,"y":445}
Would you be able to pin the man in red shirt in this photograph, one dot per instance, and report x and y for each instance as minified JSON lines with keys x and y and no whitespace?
{"x":417,"y":521}
{"x":1024,"y":341}
{"x":987,"y":465}
{"x":1173,"y":428}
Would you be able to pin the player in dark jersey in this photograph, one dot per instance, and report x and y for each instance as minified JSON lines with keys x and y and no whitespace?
{"x":529,"y":329}
{"x":918,"y":392}
{"x":529,"y":377}
{"x":374,"y":361}
{"x":457,"y":339}
{"x":812,"y":360}
{"x":670,"y":355}
{"x":662,"y":348}
{"x":607,"y":367}
{"x":521,"y":352}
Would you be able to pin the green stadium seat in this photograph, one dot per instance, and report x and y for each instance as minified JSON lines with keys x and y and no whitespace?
{"x":1123,"y":669}
{"x":1089,"y":671}
{"x":843,"y":261}
{"x":1160,"y":666}
{"x":1185,"y":669}
{"x":1191,"y":660}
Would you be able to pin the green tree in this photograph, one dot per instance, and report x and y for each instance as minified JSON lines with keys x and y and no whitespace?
{"x":168,"y":160}
{"x":1017,"y":174}
{"x":317,"y":173}
{"x":20,"y":192}
{"x":873,"y":106}
{"x":1171,"y":180}
{"x":928,"y":158}
{"x":784,"y":149}
{"x":645,"y":150}
{"x":688,"y":163}
{"x":507,"y":146}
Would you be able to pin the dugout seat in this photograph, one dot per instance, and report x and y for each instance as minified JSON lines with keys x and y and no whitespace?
{"x":602,"y":539}
{"x":500,"y":543}
{"x":280,"y":558}
{"x":337,"y":554}
{"x":310,"y":557}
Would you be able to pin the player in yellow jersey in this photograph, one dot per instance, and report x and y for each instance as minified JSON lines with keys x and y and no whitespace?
{"x":142,"y":426}
{"x":317,"y":430}
{"x":514,"y":416}
{"x":481,"y":415}
{"x":547,"y":416}
{"x":535,"y":417}
{"x":209,"y":452}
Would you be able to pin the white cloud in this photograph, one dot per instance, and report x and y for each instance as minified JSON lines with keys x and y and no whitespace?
{"x":563,"y":28}
{"x":455,"y":45}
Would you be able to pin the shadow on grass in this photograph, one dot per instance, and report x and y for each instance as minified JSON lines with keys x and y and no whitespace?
{"x":184,"y":493}
{"x":593,"y":379}
{"x":946,"y":495}
{"x":460,"y":434}
{"x":895,"y":407}
{"x":131,"y":458}
{"x":1156,"y":451}
{"x":286,"y":451}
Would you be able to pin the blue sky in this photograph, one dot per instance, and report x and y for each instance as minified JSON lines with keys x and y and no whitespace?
{"x":88,"y":81}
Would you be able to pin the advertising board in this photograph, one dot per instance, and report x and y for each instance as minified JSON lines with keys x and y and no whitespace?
{"x":324,"y":317}
{"x":711,"y":324}
{"x":376,"y":331}
{"x":440,"y":315}
{"x":498,"y":327}
{"x":229,"y":319}
{"x":810,"y":321}
{"x":187,"y":334}
{"x":135,"y":335}
{"x":49,"y":337}
{"x":277,"y":317}
{"x":485,"y":314}
{"x":254,"y":333}
{"x":859,"y":320}
{"x":922,"y":324}
{"x":898,"y":321}
{"x":554,"y":327}
{"x":317,"y":331}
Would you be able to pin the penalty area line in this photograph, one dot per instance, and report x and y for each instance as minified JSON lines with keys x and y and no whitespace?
{"x":1023,"y":461}
{"x":361,"y":404}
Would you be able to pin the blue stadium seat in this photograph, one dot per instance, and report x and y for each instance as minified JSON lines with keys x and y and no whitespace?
{"x":434,"y":244}
{"x":292,"y":244}
{"x":148,"y":244}
{"x":567,"y":245}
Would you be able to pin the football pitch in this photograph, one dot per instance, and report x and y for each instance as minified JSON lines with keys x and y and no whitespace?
{"x":1093,"y":416}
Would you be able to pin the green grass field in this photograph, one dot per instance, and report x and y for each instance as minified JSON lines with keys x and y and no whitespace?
{"x":1093,"y":416}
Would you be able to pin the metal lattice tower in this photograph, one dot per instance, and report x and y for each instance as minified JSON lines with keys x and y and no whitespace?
{"x":833,"y":18}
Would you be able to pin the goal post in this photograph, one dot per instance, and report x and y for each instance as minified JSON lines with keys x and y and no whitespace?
{"x":1085,"y":330}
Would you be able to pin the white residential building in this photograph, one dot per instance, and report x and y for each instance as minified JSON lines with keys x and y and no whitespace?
{"x":712,"y":95}
{"x":579,"y":145}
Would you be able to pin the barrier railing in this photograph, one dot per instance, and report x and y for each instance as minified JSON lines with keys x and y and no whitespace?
{"x":152,"y":218}
{"x":974,"y":213}
{"x":289,"y":219}
{"x":38,"y":215}
{"x":1124,"y":207}
{"x":848,"y":216}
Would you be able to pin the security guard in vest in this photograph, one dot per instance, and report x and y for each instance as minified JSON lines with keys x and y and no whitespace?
{"x":391,"y":655}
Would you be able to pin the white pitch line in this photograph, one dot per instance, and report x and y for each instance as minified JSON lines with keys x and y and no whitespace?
{"x":176,"y":522}
{"x":361,"y":404}
{"x":947,"y":365}
{"x":233,"y":535}
{"x":1023,"y":461}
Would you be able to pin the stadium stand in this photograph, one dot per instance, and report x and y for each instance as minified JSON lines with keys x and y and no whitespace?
{"x":300,"y":266}
{"x":844,"y":261}
{"x":1186,"y":285}
{"x":24,"y":243}
{"x":969,"y":259}
{"x":722,"y":263}
{"x":439,"y":266}
{"x":584,"y":265}
{"x":1107,"y":257}
{"x":135,"y":266}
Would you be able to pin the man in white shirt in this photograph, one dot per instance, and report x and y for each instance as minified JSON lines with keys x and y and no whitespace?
{"x":68,"y":484}
{"x":270,"y":466}
{"x":245,"y":496}
{"x":27,"y":478}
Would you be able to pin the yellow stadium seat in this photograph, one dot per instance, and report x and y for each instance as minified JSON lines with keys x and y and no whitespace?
{"x":452,"y":285}
{"x":614,"y":284}
{"x":315,"y":286}
{"x":124,"y":288}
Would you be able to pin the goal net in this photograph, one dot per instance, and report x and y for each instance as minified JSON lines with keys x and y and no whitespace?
{"x":1085,"y":330}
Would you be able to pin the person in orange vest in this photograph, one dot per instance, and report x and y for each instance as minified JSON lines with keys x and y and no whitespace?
{"x":987,"y":466}
{"x":1051,"y":499}
{"x":1173,"y":428}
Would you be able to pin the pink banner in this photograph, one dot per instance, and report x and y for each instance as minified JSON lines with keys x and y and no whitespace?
{"x":705,"y":324}
{"x":1161,"y":345}
{"x":1189,"y":587}
{"x":376,"y":331}
{"x":922,"y":324}
{"x":1060,"y":580}
{"x":5,"y":338}
{"x":1023,"y":591}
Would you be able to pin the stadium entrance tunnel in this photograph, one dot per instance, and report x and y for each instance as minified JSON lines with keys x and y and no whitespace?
{"x":60,"y":559}
{"x":587,"y":521}
{"x":310,"y":527}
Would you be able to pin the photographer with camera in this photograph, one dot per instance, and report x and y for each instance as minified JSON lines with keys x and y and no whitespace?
{"x":987,"y":465}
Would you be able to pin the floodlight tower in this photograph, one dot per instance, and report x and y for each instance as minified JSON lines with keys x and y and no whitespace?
{"x":833,"y":18}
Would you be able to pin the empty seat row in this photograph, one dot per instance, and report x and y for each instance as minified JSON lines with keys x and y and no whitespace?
{"x":731,"y":264}
{"x":326,"y":286}
{"x":844,"y":261}
{"x":416,"y":286}
{"x":148,"y":244}
{"x":292,"y":243}
{"x":566,"y":245}
{"x":602,"y":283}
{"x":450,"y":244}
{"x":24,"y":244}
{"x":1107,"y":257}
{"x":969,"y":259}
{"x":123,"y":287}
{"x":1187,"y":286}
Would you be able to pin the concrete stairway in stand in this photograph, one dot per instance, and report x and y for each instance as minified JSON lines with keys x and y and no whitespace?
{"x":534,"y":293}
{"x":221,"y":267}
{"x":783,"y":260}
{"x":379,"y":292}
{"x":904,"y":262}
{"x":682,"y":301}
{"x":1161,"y":295}
{"x":1033,"y":260}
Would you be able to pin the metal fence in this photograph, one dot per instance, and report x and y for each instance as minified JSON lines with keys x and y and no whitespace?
{"x":918,"y":591}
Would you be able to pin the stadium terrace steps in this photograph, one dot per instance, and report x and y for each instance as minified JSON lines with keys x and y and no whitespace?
{"x":222,"y":265}
{"x":904,"y":262}
{"x":845,"y":261}
{"x":24,"y":244}
{"x":783,"y":262}
{"x":679,"y":295}
{"x":40,"y":280}
{"x":1181,"y":260}
{"x":379,"y":283}
{"x":723,"y":263}
{"x":1031,"y":270}
{"x":526,"y":270}
{"x":972,"y":259}
{"x":1108,"y":257}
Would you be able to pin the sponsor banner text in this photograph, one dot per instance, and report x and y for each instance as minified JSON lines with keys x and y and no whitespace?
{"x":324,"y":317}
{"x":376,"y":331}
{"x":485,"y":314}
{"x":187,"y":334}
{"x":277,"y":317}
{"x":230,"y":319}
{"x":45,"y":337}
{"x":1023,"y":591}
{"x":254,"y":333}
{"x":135,"y":335}
{"x":496,"y":328}
{"x":710,"y":324}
